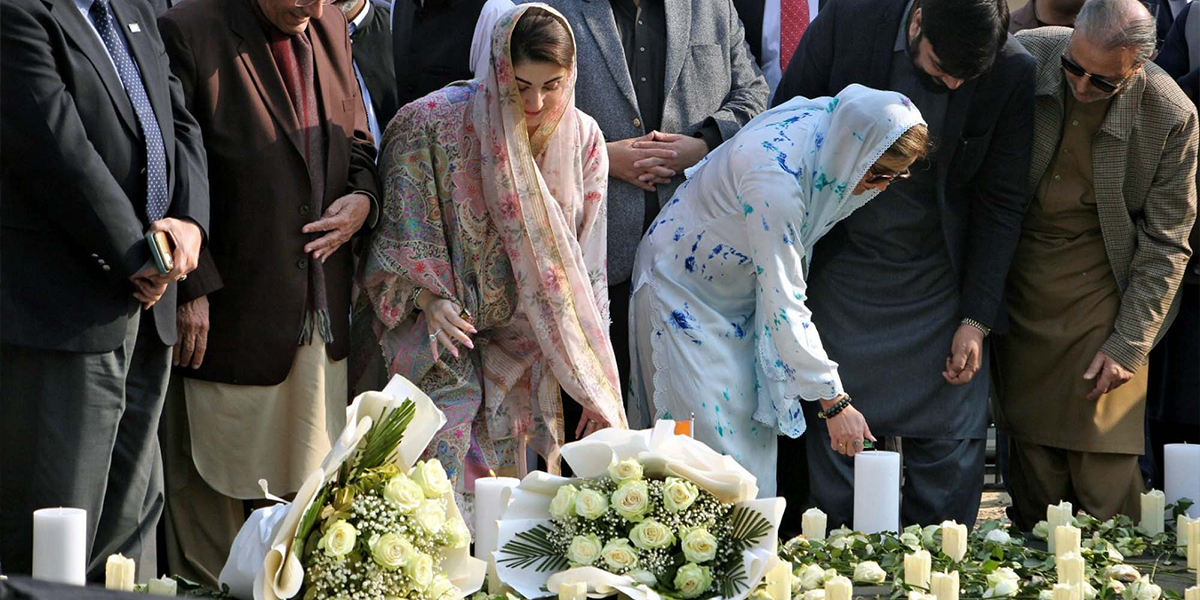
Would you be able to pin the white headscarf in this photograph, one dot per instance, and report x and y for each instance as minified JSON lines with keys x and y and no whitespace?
{"x":481,"y":42}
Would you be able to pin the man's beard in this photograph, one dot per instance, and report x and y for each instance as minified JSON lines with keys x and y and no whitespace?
{"x":927,"y":81}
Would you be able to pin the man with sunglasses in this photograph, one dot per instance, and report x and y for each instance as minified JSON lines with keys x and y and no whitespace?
{"x":1101,"y":255}
{"x":260,"y":385}
{"x":906,"y":289}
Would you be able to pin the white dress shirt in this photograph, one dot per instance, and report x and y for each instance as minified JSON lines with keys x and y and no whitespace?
{"x":770,"y":41}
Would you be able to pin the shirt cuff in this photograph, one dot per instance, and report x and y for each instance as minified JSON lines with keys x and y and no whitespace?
{"x":710,"y":133}
{"x":373,"y":216}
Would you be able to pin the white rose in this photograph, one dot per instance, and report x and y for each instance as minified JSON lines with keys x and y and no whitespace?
{"x":619,"y":555}
{"x":432,"y":478}
{"x":841,"y":542}
{"x":679,"y":494}
{"x":1002,"y":574}
{"x":631,"y":500}
{"x":338,"y":539}
{"x":1142,"y":589}
{"x":999,"y":536}
{"x":1041,"y":530}
{"x":814,"y":595}
{"x":390,"y":551}
{"x":404,"y":492}
{"x":698,"y":545}
{"x":442,"y":589}
{"x":431,"y":516}
{"x":1089,"y":592}
{"x":869,"y":571}
{"x":643,"y":577}
{"x":584,"y":550}
{"x":811,"y":577}
{"x":1005,"y":587}
{"x":650,"y":535}
{"x":590,"y":504}
{"x":457,"y":534}
{"x":1123,"y":573}
{"x":1046,"y":595}
{"x":419,"y":569}
{"x":1116,"y":586}
{"x":911,"y":540}
{"x":563,"y":504}
{"x":625,"y":470}
{"x":830,"y":575}
{"x":692,"y":580}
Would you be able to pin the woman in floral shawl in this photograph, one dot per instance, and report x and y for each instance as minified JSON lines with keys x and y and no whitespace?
{"x":486,"y":273}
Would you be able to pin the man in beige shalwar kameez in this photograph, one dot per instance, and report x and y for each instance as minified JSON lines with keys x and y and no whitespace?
{"x":1101,"y":256}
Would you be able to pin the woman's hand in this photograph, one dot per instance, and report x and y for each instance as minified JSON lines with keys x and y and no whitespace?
{"x":590,"y":423}
{"x":444,"y":319}
{"x":846,"y":429}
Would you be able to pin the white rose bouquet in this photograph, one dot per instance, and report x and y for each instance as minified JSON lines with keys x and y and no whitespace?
{"x":369,"y":524}
{"x":656,"y":520}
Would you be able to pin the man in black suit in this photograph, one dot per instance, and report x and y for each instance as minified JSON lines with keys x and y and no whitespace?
{"x":371,"y":44}
{"x":431,"y":42}
{"x":906,"y":288}
{"x":98,"y":150}
{"x":773,"y":30}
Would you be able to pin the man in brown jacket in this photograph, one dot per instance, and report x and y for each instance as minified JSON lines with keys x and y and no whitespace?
{"x":260,"y":386}
{"x":1102,"y":251}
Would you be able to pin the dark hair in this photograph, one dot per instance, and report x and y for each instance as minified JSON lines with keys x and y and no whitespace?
{"x":967,"y":35}
{"x":540,"y":37}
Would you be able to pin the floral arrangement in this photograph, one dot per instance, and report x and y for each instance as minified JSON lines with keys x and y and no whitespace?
{"x":648,"y":524}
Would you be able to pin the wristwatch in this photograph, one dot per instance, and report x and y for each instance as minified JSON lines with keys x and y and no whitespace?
{"x":977,"y":325}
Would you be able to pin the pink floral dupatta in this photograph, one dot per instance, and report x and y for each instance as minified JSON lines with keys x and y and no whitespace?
{"x":478,"y":212}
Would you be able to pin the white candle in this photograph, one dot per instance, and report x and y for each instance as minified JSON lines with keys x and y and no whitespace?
{"x":779,"y":580}
{"x":572,"y":590}
{"x":60,"y":545}
{"x":945,"y":585}
{"x":915,"y":595}
{"x":876,"y":492}
{"x":1056,"y":515}
{"x":1062,"y":591}
{"x":1181,"y":470}
{"x":491,"y":498}
{"x":1153,"y":507}
{"x":954,"y":540}
{"x":1070,"y":569}
{"x":163,"y":586}
{"x":916,"y":569}
{"x":1192,"y":593}
{"x":119,"y":572}
{"x":838,"y":588}
{"x":1066,"y":540}
{"x":812,"y":524}
{"x":1193,"y":547}
{"x":1181,"y":533}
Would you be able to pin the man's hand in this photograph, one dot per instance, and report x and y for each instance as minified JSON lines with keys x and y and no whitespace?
{"x":622,"y":156}
{"x":342,"y":220}
{"x":192,"y":322}
{"x":966,"y":353}
{"x":148,"y":285}
{"x":687,"y":151}
{"x":1112,"y":375}
{"x":187,"y":238}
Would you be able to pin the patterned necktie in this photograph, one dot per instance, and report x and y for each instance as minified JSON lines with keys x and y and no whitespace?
{"x":793,"y":20}
{"x":131,"y":80}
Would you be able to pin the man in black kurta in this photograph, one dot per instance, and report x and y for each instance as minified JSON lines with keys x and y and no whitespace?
{"x":906,"y":288}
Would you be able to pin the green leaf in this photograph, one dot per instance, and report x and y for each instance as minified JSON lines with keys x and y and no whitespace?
{"x":533,"y":548}
{"x":748,"y":527}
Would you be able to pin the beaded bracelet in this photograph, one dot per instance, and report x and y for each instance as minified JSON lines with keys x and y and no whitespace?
{"x":835,"y":409}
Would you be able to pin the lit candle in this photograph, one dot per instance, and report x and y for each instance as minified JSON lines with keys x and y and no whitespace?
{"x":1192,"y":593}
{"x":163,"y":586}
{"x":60,"y":545}
{"x":1070,"y":569}
{"x":1056,"y":515}
{"x":945,"y":585}
{"x":119,"y":572}
{"x":1193,"y":547}
{"x":954,"y":540}
{"x":1062,"y":591}
{"x":916,"y":569}
{"x":572,"y":590}
{"x":1153,"y":506}
{"x":1066,"y":540}
{"x":779,"y":580}
{"x":876,"y":492}
{"x":491,"y":498}
{"x":838,"y":588}
{"x":1181,"y":477}
{"x":812,"y":524}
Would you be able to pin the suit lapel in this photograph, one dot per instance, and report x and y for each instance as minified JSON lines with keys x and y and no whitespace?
{"x":890,"y":19}
{"x":952,"y":126}
{"x":142,"y":51}
{"x":80,"y":32}
{"x":1050,"y":103}
{"x":256,"y":57}
{"x":1108,"y":169}
{"x":679,"y":44}
{"x":603,"y":26}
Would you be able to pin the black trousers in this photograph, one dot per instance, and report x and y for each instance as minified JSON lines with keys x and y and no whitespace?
{"x":81,"y":430}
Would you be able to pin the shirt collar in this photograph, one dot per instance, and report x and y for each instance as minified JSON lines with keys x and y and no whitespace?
{"x":83,"y":5}
{"x":902,"y":35}
{"x":358,"y":21}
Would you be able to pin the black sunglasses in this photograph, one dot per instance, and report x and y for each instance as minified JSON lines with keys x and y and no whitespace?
{"x":873,"y":177}
{"x":1101,"y":83}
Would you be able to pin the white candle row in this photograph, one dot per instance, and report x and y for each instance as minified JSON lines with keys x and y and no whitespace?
{"x":1066,"y":540}
{"x":779,"y":580}
{"x":916,"y":569}
{"x":119,"y":573}
{"x":1192,"y":593}
{"x":812,"y":524}
{"x":838,"y":588}
{"x":945,"y":585}
{"x":1070,"y":569}
{"x":1154,"y":505}
{"x":954,"y":540}
{"x":1056,"y":515}
{"x":1193,"y":547}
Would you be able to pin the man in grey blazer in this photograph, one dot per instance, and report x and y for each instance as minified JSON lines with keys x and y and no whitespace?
{"x":668,"y":80}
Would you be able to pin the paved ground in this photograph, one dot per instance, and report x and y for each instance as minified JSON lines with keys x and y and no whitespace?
{"x":992,"y":506}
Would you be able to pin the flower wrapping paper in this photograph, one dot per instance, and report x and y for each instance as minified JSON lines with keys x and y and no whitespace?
{"x":262,"y":563}
{"x":661,"y":453}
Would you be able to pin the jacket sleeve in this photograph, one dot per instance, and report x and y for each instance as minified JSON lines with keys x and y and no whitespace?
{"x":808,"y":72}
{"x":206,"y":278}
{"x":46,"y":141}
{"x":999,"y":196}
{"x":1162,"y":250}
{"x":748,"y":91}
{"x":362,"y":176}
{"x":189,"y":198}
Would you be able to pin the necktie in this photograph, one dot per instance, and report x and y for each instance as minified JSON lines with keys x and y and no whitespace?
{"x":793,"y":20}
{"x":156,"y":154}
